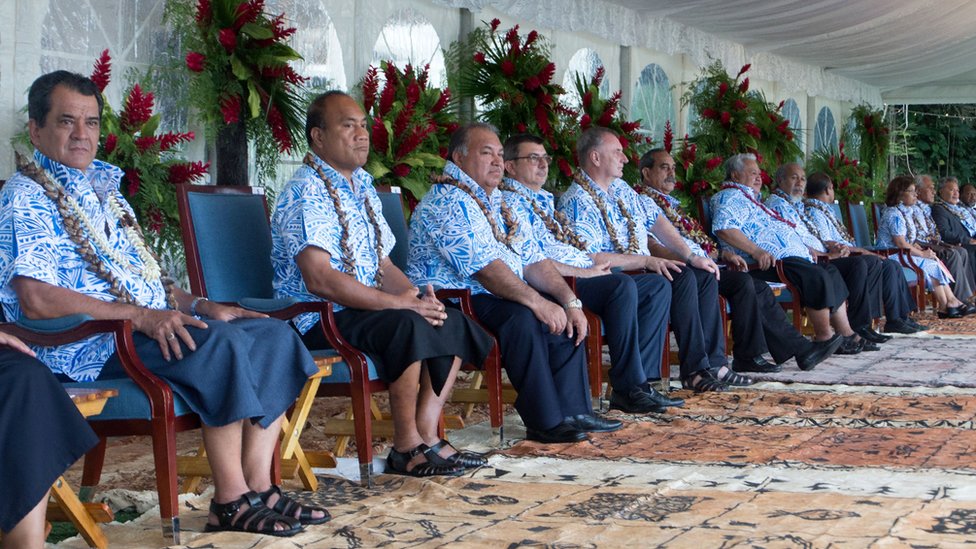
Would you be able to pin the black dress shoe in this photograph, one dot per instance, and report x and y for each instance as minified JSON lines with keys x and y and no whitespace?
{"x":968,"y":309}
{"x":663,"y":399}
{"x":869,"y":345}
{"x":920,"y":327}
{"x":560,"y":433}
{"x":899,"y":326}
{"x":757,"y":364}
{"x":850,"y":345}
{"x":818,"y":352}
{"x":870,"y":335}
{"x":951,"y":312}
{"x":589,"y":423}
{"x":636,"y":401}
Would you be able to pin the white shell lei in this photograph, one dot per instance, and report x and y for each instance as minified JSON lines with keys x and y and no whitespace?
{"x":150,"y":272}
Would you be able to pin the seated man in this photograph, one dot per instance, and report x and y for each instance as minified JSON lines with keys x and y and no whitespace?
{"x":750,"y":299}
{"x":634,"y":310}
{"x":967,"y":195}
{"x":927,"y":235}
{"x":70,"y":245}
{"x":330,"y":241}
{"x":464,"y":235}
{"x":607,"y":214}
{"x":955,"y":222}
{"x":41,"y":433}
{"x":761,"y":235}
{"x":896,"y":296}
{"x":862,"y":274}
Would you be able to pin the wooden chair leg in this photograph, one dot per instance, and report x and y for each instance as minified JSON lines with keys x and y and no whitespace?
{"x":191,"y":483}
{"x":477,"y":378}
{"x":164,"y":456}
{"x":362,"y":418}
{"x":87,"y":527}
{"x":92,"y":472}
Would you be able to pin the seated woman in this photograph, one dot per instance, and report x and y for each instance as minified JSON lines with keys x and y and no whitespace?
{"x":897,"y":229}
{"x":41,"y":433}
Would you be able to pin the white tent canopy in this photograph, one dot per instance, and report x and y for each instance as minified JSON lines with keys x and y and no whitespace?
{"x":864,"y":50}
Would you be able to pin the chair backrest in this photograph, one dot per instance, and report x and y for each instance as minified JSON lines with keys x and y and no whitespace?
{"x":705,"y":214}
{"x":393,"y":213}
{"x":859,"y":224}
{"x":876,"y":208}
{"x":837,"y":211}
{"x":228,"y":241}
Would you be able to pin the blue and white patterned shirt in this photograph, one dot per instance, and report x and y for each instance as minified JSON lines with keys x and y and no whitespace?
{"x":305,"y":216}
{"x":924,"y":222}
{"x":732,"y":209}
{"x":451,"y":239}
{"x":821,"y":216}
{"x":521,"y":202}
{"x":794,"y":213}
{"x":896,"y":221}
{"x":650,"y":206}
{"x":585,"y":217}
{"x":35,"y":244}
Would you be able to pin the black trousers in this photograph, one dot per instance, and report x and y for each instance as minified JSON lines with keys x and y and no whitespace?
{"x":634,"y":312}
{"x":862,"y":276}
{"x":897,"y":296}
{"x":753,"y":305}
{"x":548,"y":370}
{"x":697,"y":321}
{"x":820,"y":286}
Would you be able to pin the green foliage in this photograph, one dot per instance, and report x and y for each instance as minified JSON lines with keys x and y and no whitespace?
{"x":935,"y":143}
{"x":870,"y":126}
{"x":847,"y":175}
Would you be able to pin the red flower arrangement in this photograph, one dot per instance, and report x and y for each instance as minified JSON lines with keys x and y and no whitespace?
{"x":238,"y":61}
{"x":846,"y":173}
{"x":512,"y":77}
{"x":875,"y":142}
{"x":597,"y":111}
{"x":694,"y":174}
{"x":410,"y":126}
{"x":129,"y":141}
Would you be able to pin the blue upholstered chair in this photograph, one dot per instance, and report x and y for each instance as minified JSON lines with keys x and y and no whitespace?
{"x":145,"y":405}
{"x":864,"y":238}
{"x":227,"y":238}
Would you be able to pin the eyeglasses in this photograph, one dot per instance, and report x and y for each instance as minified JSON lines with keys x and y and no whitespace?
{"x":536,"y":159}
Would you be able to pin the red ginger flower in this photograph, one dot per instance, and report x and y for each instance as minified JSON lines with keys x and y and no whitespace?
{"x":479,"y":58}
{"x":585,"y":122}
{"x":713,"y":163}
{"x":507,"y":67}
{"x":598,"y":77}
{"x":227,"y":39}
{"x":137,"y":109}
{"x":111,"y":141}
{"x":145,"y":142}
{"x":401,"y":170}
{"x":564,"y":167}
{"x":668,"y":137}
{"x":204,"y":12}
{"x":247,"y":12}
{"x":494,"y":24}
{"x":413,"y":93}
{"x":752,"y":130}
{"x":132,"y":181}
{"x":185,"y":172}
{"x":743,"y":69}
{"x":280,"y":31}
{"x":380,"y":137}
{"x":546,"y":74}
{"x":726,"y":118}
{"x":195,"y":61}
{"x":387,"y":97}
{"x":532,"y":37}
{"x":279,"y":130}
{"x":512,"y":36}
{"x":230,"y":107}
{"x":709,"y":113}
{"x":532,"y":83}
{"x":744,"y":86}
{"x":171,"y":139}
{"x":102,"y":72}
{"x":607,"y":117}
{"x":441,"y":101}
{"x":739,"y":105}
{"x":722,"y":89}
{"x":370,"y":85}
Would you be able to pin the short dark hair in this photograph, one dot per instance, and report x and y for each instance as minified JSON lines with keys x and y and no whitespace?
{"x":647,"y":161}
{"x":589,"y":140}
{"x":961,"y":189}
{"x":459,"y":139}
{"x":39,"y":96}
{"x":513,"y":143}
{"x":817,"y":184}
{"x":315,"y":116}
{"x":897,"y":186}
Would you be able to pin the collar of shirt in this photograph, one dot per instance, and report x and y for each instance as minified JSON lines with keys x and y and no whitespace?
{"x":360,"y":177}
{"x":542,"y":197}
{"x":670,"y":199}
{"x":102,"y":177}
{"x":453,"y":170}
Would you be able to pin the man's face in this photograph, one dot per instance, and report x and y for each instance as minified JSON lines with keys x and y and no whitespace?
{"x":749,"y":175}
{"x":342,"y":141}
{"x":610,"y":158}
{"x":661,"y":176}
{"x":968,"y":195}
{"x":950,"y":192}
{"x":794,"y":182}
{"x":530,"y":167}
{"x":830,"y":194}
{"x":70,"y":131}
{"x":926,"y":191}
{"x":484,"y":162}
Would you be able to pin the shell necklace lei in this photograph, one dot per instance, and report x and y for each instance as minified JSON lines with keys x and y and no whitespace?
{"x":557,"y":223}
{"x":633,"y":246}
{"x":348,"y":257}
{"x":799,"y":213}
{"x":77,"y":224}
{"x":688,"y":227}
{"x":511,"y":223}
{"x":824,"y":209}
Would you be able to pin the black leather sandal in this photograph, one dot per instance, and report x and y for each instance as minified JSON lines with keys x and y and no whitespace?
{"x":732,"y":378}
{"x":466,"y":459}
{"x":704,"y":381}
{"x":287,"y":507}
{"x":396,"y":462}
{"x":256,"y":519}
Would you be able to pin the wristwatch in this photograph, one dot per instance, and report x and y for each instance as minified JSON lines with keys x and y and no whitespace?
{"x":573,"y":304}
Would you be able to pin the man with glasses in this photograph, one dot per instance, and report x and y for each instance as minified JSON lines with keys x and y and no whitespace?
{"x":634,"y":310}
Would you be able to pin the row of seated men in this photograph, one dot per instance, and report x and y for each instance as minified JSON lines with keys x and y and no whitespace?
{"x":69,"y":244}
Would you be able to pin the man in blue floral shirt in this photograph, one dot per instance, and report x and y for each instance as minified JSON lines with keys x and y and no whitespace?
{"x":464,"y":235}
{"x":70,"y":244}
{"x":633,"y":309}
{"x":607,"y":214}
{"x":741,"y":221}
{"x":897,"y":297}
{"x":752,"y":303}
{"x":330,"y":241}
{"x":862,"y":274}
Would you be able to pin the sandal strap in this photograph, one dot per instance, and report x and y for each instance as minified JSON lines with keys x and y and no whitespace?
{"x":464,"y":458}
{"x":732,"y":377}
{"x":706,"y":382}
{"x":286,"y":506}
{"x":256,"y":518}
